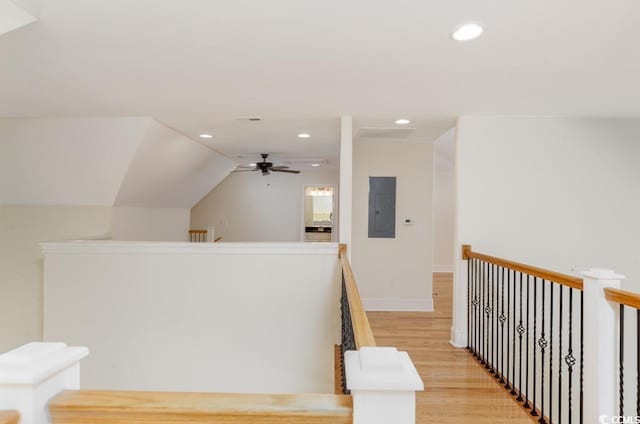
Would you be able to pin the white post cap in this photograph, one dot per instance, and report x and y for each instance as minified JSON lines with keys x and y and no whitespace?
{"x":602,"y":274}
{"x":381,"y":369}
{"x":37,"y":361}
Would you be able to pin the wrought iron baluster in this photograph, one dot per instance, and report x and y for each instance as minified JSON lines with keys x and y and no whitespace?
{"x":494,"y":322}
{"x":348,"y":338}
{"x":469,"y":305}
{"x":520,"y":332}
{"x":513,"y":336}
{"x":502,"y":318}
{"x":550,"y":352}
{"x":560,"y":287}
{"x":569,"y":359}
{"x":472,"y":300}
{"x":480,"y":307}
{"x":621,"y":362}
{"x":483,"y":328}
{"x":490,"y":319}
{"x":507,"y":383}
{"x":581,"y":356}
{"x":542,"y":342}
{"x":487,"y":310}
{"x":477,"y":313}
{"x":526,"y":392}
{"x":534,"y":412}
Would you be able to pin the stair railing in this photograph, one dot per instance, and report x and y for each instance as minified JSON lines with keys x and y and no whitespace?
{"x":550,"y":339}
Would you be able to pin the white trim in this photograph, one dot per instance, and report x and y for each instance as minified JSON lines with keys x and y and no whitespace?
{"x":139,"y":247}
{"x":398,"y":305}
{"x":443,"y":268}
{"x":458,"y":338}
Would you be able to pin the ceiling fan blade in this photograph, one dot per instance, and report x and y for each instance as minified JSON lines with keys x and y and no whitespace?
{"x":244,"y":170}
{"x":280,"y":167}
{"x":245,"y":167}
{"x":290,"y":171}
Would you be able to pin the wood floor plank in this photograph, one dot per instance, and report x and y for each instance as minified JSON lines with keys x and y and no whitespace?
{"x":457,"y":389}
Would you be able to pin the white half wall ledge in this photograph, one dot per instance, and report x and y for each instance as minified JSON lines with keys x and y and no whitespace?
{"x":13,"y":17}
{"x":398,"y":304}
{"x":134,"y":247}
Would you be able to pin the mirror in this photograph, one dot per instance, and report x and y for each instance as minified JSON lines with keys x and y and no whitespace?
{"x":318,"y":213}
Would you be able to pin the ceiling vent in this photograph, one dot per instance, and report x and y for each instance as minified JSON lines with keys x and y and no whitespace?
{"x":384,"y":133}
{"x":303,"y":161}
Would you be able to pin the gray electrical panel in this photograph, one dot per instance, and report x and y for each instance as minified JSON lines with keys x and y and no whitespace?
{"x":382,"y":207}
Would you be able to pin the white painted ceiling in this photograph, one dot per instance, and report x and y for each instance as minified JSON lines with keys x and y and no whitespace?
{"x":197,"y":65}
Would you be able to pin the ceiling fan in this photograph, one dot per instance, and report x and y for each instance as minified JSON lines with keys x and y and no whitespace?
{"x":265,"y":167}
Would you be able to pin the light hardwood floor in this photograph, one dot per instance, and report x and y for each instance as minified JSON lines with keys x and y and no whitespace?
{"x":457,"y":389}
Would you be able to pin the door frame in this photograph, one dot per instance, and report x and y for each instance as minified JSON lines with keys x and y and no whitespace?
{"x":334,"y":222}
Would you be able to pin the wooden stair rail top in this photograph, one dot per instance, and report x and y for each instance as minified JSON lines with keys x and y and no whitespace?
{"x":556,"y":277}
{"x":359,"y":320}
{"x":120,"y":407}
{"x":622,"y":297}
{"x":9,"y":417}
{"x":197,"y":231}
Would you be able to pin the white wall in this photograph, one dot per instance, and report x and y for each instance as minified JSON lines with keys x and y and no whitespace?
{"x":66,"y":161}
{"x":443,"y":202}
{"x":224,"y":317}
{"x":150,"y":224}
{"x":395,"y":274}
{"x":553,"y":192}
{"x":21,"y":229}
{"x":136,"y":162}
{"x":249,"y":207}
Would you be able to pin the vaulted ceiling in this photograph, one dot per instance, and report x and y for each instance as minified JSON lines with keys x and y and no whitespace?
{"x":104,"y":161}
{"x":199,"y":65}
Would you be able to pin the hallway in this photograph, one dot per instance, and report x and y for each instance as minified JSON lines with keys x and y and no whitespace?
{"x":457,"y":389}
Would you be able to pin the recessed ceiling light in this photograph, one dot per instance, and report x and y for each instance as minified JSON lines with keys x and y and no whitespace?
{"x":467,"y":32}
{"x":315,"y":164}
{"x":402,"y":121}
{"x":206,"y":136}
{"x":304,"y":135}
{"x":252,"y":164}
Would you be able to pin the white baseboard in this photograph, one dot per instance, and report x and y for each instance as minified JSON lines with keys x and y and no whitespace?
{"x":398,"y":305}
{"x":442,"y":268}
{"x":458,"y":338}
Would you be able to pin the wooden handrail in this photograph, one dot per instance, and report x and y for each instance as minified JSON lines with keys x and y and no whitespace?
{"x":112,"y":407}
{"x":622,"y":297}
{"x":197,"y":231}
{"x":361,"y":329}
{"x":556,"y":277}
{"x":9,"y":417}
{"x":217,"y":239}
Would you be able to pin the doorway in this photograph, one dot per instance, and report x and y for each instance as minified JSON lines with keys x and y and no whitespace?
{"x":319,"y":218}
